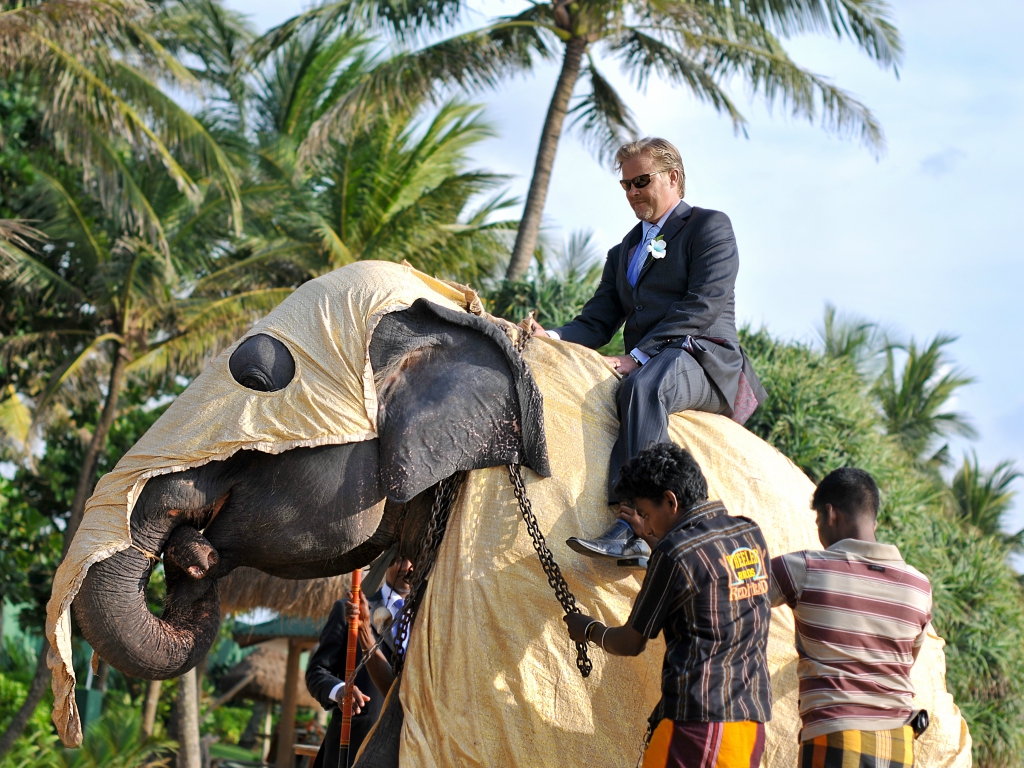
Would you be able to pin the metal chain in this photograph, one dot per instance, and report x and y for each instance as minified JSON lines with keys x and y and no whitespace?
{"x":444,"y":499}
{"x":547,"y":562}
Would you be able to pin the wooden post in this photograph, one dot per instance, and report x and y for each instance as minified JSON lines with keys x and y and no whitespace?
{"x":189,"y":755}
{"x":286,"y":727}
{"x":350,"y":666}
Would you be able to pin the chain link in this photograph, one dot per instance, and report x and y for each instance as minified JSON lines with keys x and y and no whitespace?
{"x":547,"y":562}
{"x":444,"y":499}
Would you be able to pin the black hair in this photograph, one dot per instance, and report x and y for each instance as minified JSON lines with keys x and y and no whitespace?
{"x":663,"y":467}
{"x":851,"y":491}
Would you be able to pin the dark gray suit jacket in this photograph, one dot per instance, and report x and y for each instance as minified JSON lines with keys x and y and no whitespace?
{"x":685,"y":300}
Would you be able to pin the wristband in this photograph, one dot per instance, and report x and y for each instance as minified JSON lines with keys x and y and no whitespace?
{"x":587,"y":630}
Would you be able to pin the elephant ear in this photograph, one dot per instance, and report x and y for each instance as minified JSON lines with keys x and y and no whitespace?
{"x":453,"y":395}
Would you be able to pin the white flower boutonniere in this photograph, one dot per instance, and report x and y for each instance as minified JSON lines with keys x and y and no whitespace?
{"x":657,"y":247}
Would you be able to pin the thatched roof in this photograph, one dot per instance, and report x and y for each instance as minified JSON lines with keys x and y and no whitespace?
{"x":265,"y":669}
{"x":246,"y":588}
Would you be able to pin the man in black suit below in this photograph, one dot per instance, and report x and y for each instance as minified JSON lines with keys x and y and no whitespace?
{"x":325,"y":672}
{"x":671,"y":281}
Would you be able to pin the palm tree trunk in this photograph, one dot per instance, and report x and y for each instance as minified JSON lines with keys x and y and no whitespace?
{"x":35,"y":694}
{"x":529,"y":227}
{"x":82,"y":493}
{"x":86,"y":479}
{"x":149,"y":710}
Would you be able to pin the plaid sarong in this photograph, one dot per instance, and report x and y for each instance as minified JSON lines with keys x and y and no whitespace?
{"x":859,"y":749}
{"x":677,"y":744}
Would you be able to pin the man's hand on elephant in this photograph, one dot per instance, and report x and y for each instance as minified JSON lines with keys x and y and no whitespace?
{"x":537,"y":328}
{"x":624,"y":364}
{"x":577,"y":624}
{"x":359,"y":699}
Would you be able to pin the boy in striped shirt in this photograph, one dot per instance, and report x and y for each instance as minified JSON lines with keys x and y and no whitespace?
{"x":861,"y":615}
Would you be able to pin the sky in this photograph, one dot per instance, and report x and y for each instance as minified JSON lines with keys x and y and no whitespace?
{"x":923,"y":240}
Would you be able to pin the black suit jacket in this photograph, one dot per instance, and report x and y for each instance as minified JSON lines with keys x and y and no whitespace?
{"x":326,"y":668}
{"x":685,"y":300}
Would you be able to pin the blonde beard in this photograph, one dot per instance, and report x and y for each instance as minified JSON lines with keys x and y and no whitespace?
{"x":647,"y":214}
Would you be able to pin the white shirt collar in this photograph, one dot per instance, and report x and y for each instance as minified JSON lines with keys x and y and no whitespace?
{"x":661,"y":222}
{"x":390,"y":597}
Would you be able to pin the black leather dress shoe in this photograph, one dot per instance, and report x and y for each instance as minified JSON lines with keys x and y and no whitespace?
{"x":619,"y":542}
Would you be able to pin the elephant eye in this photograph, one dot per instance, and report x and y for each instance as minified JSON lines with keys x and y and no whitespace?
{"x":262,"y":363}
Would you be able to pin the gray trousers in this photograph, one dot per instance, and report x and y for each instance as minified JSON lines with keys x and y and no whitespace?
{"x":670,"y":382}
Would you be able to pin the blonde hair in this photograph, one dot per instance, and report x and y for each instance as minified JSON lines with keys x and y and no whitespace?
{"x":662,"y":152}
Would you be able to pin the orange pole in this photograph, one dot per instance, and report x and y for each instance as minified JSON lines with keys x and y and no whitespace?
{"x":350,"y":661}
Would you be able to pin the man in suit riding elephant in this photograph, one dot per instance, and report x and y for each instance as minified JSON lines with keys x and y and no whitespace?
{"x":671,"y":283}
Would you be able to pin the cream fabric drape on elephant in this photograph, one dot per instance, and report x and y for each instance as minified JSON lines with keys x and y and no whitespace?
{"x":491,"y":677}
{"x":326,"y":325}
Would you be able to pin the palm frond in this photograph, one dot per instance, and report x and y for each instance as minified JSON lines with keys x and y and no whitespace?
{"x":77,"y":25}
{"x":643,"y":55}
{"x":71,"y":366}
{"x":121,"y":195}
{"x":769,"y":71}
{"x":602,"y":117}
{"x":915,"y":400}
{"x":983,"y":498}
{"x":20,"y":233}
{"x":868,"y":23}
{"x":25,"y":271}
{"x":208,"y":327}
{"x":470,"y":61}
{"x":15,"y":418}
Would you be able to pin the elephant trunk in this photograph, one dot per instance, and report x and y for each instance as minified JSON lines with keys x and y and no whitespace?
{"x":113,"y":613}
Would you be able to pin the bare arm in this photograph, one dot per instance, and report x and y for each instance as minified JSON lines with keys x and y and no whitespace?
{"x":376,"y":665}
{"x":618,"y":641}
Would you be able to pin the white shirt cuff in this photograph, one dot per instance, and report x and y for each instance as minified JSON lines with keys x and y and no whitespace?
{"x":554,"y":335}
{"x":337,"y":691}
{"x":643,"y":357}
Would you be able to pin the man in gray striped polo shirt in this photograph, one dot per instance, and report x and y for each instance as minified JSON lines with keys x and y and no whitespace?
{"x":861,"y":616}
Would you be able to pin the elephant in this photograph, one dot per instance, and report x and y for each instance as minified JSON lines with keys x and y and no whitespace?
{"x":428,"y":386}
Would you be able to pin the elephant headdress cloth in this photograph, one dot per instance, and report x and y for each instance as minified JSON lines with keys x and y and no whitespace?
{"x":326,"y":325}
{"x":491,"y":678}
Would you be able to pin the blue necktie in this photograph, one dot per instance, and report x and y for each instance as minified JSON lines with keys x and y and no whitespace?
{"x":394,"y":627}
{"x":640,"y":256}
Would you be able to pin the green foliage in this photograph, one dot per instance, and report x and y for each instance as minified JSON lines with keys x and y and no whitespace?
{"x":914,"y":401}
{"x":115,"y":741}
{"x":38,"y":743}
{"x":556,"y":290}
{"x":983,"y":498}
{"x":227,"y":723}
{"x":29,"y":549}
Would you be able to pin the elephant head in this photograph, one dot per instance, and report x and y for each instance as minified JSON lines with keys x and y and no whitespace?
{"x":452,"y":395}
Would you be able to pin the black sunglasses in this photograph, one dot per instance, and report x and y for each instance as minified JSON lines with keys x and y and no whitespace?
{"x":639,"y":182}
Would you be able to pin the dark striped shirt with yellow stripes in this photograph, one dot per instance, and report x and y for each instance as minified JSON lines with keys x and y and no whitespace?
{"x":707,"y":589}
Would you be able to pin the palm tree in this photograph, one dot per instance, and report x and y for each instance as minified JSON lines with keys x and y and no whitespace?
{"x":982,"y":498}
{"x":96,"y":66}
{"x":914,"y":401}
{"x":698,"y":44}
{"x":395,"y":187}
